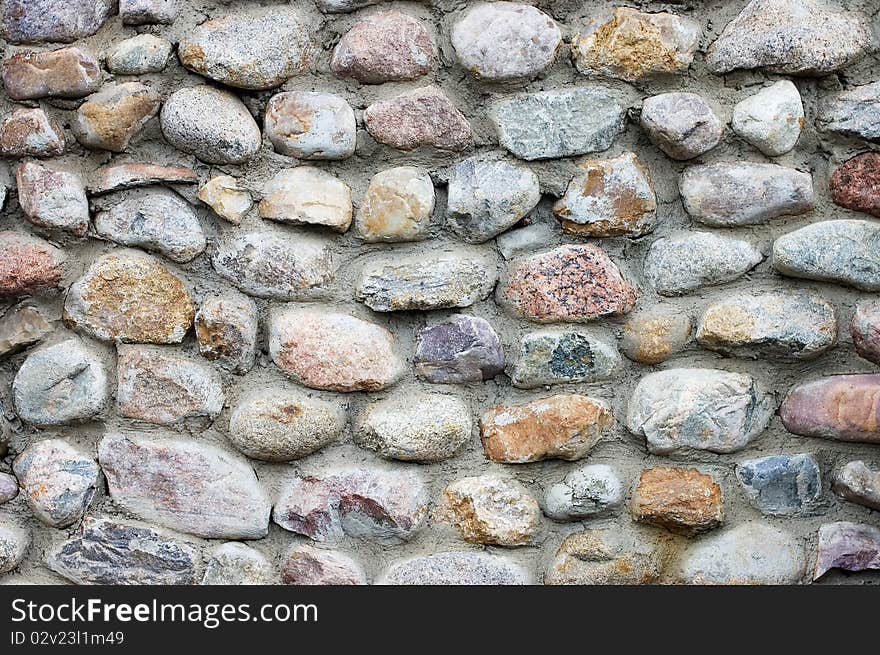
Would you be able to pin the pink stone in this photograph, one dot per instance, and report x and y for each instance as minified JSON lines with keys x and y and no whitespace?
{"x":28,"y":264}
{"x":841,"y":407}
{"x":865,"y":330}
{"x":31,"y":133}
{"x":306,"y":565}
{"x":422,"y":117}
{"x":63,"y":73}
{"x":847,"y":546}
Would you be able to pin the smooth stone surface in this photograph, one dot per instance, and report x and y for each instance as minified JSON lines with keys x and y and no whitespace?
{"x":14,"y":543}
{"x":592,"y":491}
{"x":139,"y":55}
{"x":682,"y":500}
{"x":840,"y":407}
{"x":859,"y":484}
{"x":307,"y":196}
{"x":781,"y":485}
{"x":118,"y":177}
{"x":31,"y":133}
{"x":8,"y":488}
{"x":305,"y":565}
{"x":854,"y":112}
{"x":397,"y":206}
{"x":112,"y":117}
{"x":559,"y":356}
{"x":229,"y":200}
{"x":63,"y":73}
{"x":42,"y":21}
{"x":423,"y":117}
{"x":311,"y":125}
{"x":28,"y":264}
{"x":855,"y":184}
{"x":865,"y":330}
{"x":847,"y":546}
{"x":226,"y":331}
{"x":52,"y":199}
{"x":652,"y":336}
{"x":683,"y":125}
{"x":146,"y":12}
{"x":456,"y":568}
{"x":771,"y":120}
{"x":460,"y":350}
{"x":236,"y":564}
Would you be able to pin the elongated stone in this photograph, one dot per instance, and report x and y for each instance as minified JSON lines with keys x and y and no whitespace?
{"x":305,"y":565}
{"x":112,"y":117}
{"x":31,"y":133}
{"x":588,"y":492}
{"x":117,"y":177}
{"x":781,"y":485}
{"x":456,"y":568}
{"x":311,"y":125}
{"x":461,"y":350}
{"x":854,"y":112}
{"x":682,"y":500}
{"x":771,"y":120}
{"x":847,"y":546}
{"x":236,"y":564}
{"x":226,"y":329}
{"x":21,"y":327}
{"x":42,"y":21}
{"x":555,"y":356}
{"x":28,"y":265}
{"x":139,"y":55}
{"x":307,"y":196}
{"x":53,"y":199}
{"x":147,"y":12}
{"x":397,"y":206}
{"x":683,"y":125}
{"x":14,"y":543}
{"x":653,"y":335}
{"x":421,"y":117}
{"x":855,"y":184}
{"x":216,"y":495}
{"x":859,"y":484}
{"x":841,"y":407}
{"x":63,"y":73}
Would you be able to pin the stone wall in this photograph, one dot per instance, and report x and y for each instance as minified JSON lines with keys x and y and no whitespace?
{"x":321,"y":292}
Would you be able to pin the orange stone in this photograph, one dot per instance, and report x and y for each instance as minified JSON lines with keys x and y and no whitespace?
{"x":682,"y":500}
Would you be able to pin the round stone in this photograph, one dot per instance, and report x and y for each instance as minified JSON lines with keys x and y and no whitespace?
{"x":139,"y":55}
{"x":653,"y":335}
{"x":397,"y":206}
{"x":682,"y":125}
{"x":855,"y":184}
{"x":311,"y":125}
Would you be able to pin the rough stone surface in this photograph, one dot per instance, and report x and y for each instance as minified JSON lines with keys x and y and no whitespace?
{"x":460,"y":350}
{"x":226,"y":330}
{"x":682,"y":500}
{"x":109,"y":119}
{"x":397,"y":206}
{"x":14,"y":542}
{"x":847,"y":546}
{"x":307,"y":196}
{"x":227,"y":198}
{"x":42,"y":21}
{"x":21,"y":327}
{"x":417,"y":118}
{"x":118,"y":177}
{"x":841,"y":407}
{"x":781,"y":485}
{"x":52,"y":198}
{"x":31,"y":133}
{"x":858,"y":483}
{"x":236,"y":564}
{"x":555,"y":356}
{"x":854,"y":112}
{"x":146,"y":12}
{"x":63,"y":73}
{"x":311,"y":125}
{"x":771,"y":120}
{"x":456,"y":568}
{"x":28,"y":265}
{"x":856,"y":184}
{"x":683,"y":125}
{"x":8,"y":488}
{"x":654,"y":335}
{"x":590,"y":492}
{"x":305,"y":565}
{"x":865,"y":330}
{"x":139,"y":55}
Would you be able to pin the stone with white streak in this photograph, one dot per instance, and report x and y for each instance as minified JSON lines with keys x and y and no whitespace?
{"x":771,"y":120}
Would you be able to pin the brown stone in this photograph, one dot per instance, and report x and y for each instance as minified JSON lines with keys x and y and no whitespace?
{"x":109,"y":119}
{"x":31,"y":133}
{"x":841,"y":407}
{"x":856,"y":184}
{"x":28,"y":264}
{"x":63,"y":73}
{"x":306,"y":565}
{"x":681,"y":500}
{"x":422,"y":117}
{"x":654,"y":335}
{"x":117,"y":177}
{"x":865,"y":330}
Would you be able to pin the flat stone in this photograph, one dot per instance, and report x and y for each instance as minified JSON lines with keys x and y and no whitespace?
{"x":31,"y":133}
{"x":456,"y":568}
{"x":22,"y":327}
{"x":460,"y":350}
{"x":840,"y":407}
{"x":748,"y":554}
{"x":558,"y":123}
{"x":443,"y":281}
{"x":490,"y":509}
{"x":387,"y":46}
{"x":387,"y":506}
{"x":128,"y":296}
{"x":694,"y":409}
{"x":62,"y":383}
{"x":858,"y":484}
{"x":311,"y":125}
{"x":771,"y":120}
{"x":865,"y":330}
{"x":277,"y":425}
{"x":555,"y":356}
{"x":226,"y":331}
{"x":685,"y":261}
{"x":42,"y":21}
{"x":58,"y":482}
{"x":423,"y":117}
{"x":14,"y":542}
{"x":736,"y":194}
{"x":333,"y":351}
{"x":236,"y":564}
{"x":588,"y":492}
{"x":139,"y":55}
{"x":570,"y":283}
{"x":683,"y":125}
{"x":276,"y":264}
{"x":118,"y":177}
{"x":682,"y":500}
{"x":28,"y":265}
{"x":144,"y":12}
{"x":256,"y":50}
{"x":397,"y":206}
{"x":216,"y":495}
{"x":633,"y":46}
{"x":486,"y":198}
{"x":854,"y":112}
{"x":847,"y":546}
{"x":781,"y":485}
{"x":212,"y":124}
{"x":855,"y":184}
{"x":52,"y":198}
{"x":229,"y":200}
{"x":110,"y":118}
{"x":609,"y":197}
{"x":8,"y":488}
{"x":63,"y":73}
{"x":344,"y":6}
{"x":162,"y":386}
{"x":845,"y":252}
{"x":505,"y":40}
{"x":307,"y":196}
{"x":652,"y":336}
{"x":415,"y":427}
{"x":785,"y":325}
{"x":803,"y":37}
{"x":305,"y":565}
{"x":113,"y":552}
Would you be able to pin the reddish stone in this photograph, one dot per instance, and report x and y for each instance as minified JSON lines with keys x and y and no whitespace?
{"x":856,"y":184}
{"x":842,"y":407}
{"x":306,"y":565}
{"x":64,"y":73}
{"x":847,"y":546}
{"x":682,"y":500}
{"x":128,"y":176}
{"x":31,"y":133}
{"x":28,"y":264}
{"x":422,"y":117}
{"x":865,"y":330}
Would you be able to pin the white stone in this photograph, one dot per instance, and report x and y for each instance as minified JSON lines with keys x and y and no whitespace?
{"x":771,"y":120}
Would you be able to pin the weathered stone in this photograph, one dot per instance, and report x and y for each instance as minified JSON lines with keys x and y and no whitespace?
{"x":226,"y":330}
{"x":558,"y":123}
{"x":682,"y":500}
{"x":735,"y":194}
{"x":856,"y":184}
{"x":14,"y":542}
{"x":305,"y":565}
{"x":771,"y":120}
{"x":377,"y":504}
{"x":63,"y":383}
{"x":415,"y":427}
{"x":143,"y":12}
{"x":804,"y":37}
{"x":589,"y":492}
{"x":41,"y":21}
{"x":110,"y":118}
{"x":685,"y":261}
{"x":456,"y":279}
{"x":505,"y":40}
{"x":841,"y":407}
{"x":784,"y":325}
{"x":139,"y":55}
{"x":236,"y":564}
{"x":460,"y":350}
{"x":215,"y":494}
{"x":748,"y":554}
{"x":212,"y":124}
{"x":52,"y":199}
{"x":128,"y":296}
{"x":388,"y":46}
{"x":554,"y":356}
{"x":847,"y":546}
{"x":64,"y":73}
{"x":855,"y":112}
{"x":276,"y":264}
{"x":118,"y":177}
{"x":489,"y":509}
{"x":526,"y":239}
{"x":570,"y":283}
{"x":865,"y":330}
{"x":781,"y":485}
{"x":609,"y":197}
{"x":311,"y":125}
{"x":307,"y":196}
{"x":110,"y":552}
{"x":487,"y":197}
{"x":652,"y":336}
{"x":227,"y":198}
{"x":258,"y":49}
{"x":276,"y":425}
{"x":456,"y":568}
{"x":421,"y":117}
{"x":698,"y":409}
{"x":31,"y":133}
{"x":683,"y":125}
{"x":58,"y":481}
{"x":858,"y":484}
{"x":28,"y":264}
{"x":343,"y":6}
{"x":845,"y":252}
{"x":162,"y":386}
{"x":20,"y":328}
{"x":333,"y":351}
{"x":8,"y":488}
{"x":633,"y":45}
{"x":397,"y":206}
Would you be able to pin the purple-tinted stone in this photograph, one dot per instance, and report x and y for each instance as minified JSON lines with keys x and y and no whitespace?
{"x":865,"y":330}
{"x":842,"y":407}
{"x":463,"y":349}
{"x":847,"y":546}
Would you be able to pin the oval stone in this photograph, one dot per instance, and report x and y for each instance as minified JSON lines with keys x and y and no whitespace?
{"x":589,"y":492}
{"x":855,"y":184}
{"x":421,"y":117}
{"x":311,"y":125}
{"x":41,"y":21}
{"x":682,"y":500}
{"x":859,"y":484}
{"x":457,"y":351}
{"x":236,"y":564}
{"x":304,"y":565}
{"x":841,"y":407}
{"x":865,"y":330}
{"x":456,"y":568}
{"x":781,"y":485}
{"x":63,"y":73}
{"x":654,"y":335}
{"x":306,"y":195}
{"x":683,"y":125}
{"x":28,"y":265}
{"x":53,"y":199}
{"x":563,"y":356}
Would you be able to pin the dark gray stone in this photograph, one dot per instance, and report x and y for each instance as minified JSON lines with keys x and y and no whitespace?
{"x":458,"y":351}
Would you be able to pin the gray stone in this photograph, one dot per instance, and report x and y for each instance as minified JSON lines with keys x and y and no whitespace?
{"x":855,"y":112}
{"x":864,"y":330}
{"x":456,"y":568}
{"x":236,"y":564}
{"x":771,"y":120}
{"x":311,"y":125}
{"x":139,"y":55}
{"x":847,"y":546}
{"x":683,"y":125}
{"x":781,"y":485}
{"x":524,"y":240}
{"x":31,"y":133}
{"x":145,"y":12}
{"x":653,"y":335}
{"x":14,"y":542}
{"x":112,"y":117}
{"x":858,"y":484}
{"x":42,"y":21}
{"x":460,"y":350}
{"x":305,"y":565}
{"x":118,"y":177}
{"x":397,"y":206}
{"x":344,"y":6}
{"x":683,"y":409}
{"x":229,"y":200}
{"x":52,"y":199}
{"x":307,"y":196}
{"x":63,"y":73}
{"x":685,"y":261}
{"x":215,"y":494}
{"x":588,"y":492}
{"x":226,"y":330}
{"x":8,"y":488}
{"x":558,"y":123}
{"x":563,"y":356}
{"x":58,"y":482}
